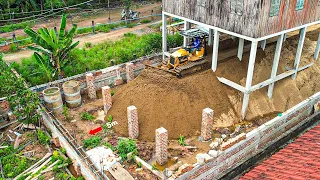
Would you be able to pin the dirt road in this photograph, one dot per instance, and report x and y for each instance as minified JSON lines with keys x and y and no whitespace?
{"x":94,"y":39}
{"x":97,"y":18}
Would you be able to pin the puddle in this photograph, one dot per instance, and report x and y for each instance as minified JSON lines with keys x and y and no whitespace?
{"x":161,"y":168}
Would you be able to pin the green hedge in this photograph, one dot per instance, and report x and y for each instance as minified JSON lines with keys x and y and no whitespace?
{"x":100,"y":55}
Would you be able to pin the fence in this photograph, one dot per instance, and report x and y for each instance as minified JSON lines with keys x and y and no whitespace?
{"x":93,"y":27}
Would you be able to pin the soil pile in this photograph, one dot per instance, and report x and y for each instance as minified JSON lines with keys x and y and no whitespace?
{"x":176,"y":104}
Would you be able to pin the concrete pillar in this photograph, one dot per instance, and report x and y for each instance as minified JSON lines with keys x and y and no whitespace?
{"x":263,"y":44}
{"x":164,"y":35}
{"x":133,"y":124}
{"x":316,"y":54}
{"x":185,"y":39}
{"x":130,"y":71}
{"x":252,"y":59}
{"x":106,"y":97}
{"x":161,"y":146}
{"x":90,"y":85}
{"x":210,"y":41}
{"x":299,"y":51}
{"x":275,"y":64}
{"x":240,"y":48}
{"x":207,"y":123}
{"x":215,"y":50}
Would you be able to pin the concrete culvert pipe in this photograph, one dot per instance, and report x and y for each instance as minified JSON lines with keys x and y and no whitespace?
{"x":53,"y":100}
{"x":72,"y":94}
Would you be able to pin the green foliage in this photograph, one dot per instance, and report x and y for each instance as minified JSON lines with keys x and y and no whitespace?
{"x":92,"y":142}
{"x":131,"y":25}
{"x":154,"y":167}
{"x":13,"y":47}
{"x":43,"y":138}
{"x":23,"y":102}
{"x":112,"y":92}
{"x":145,"y":21}
{"x":139,"y":164}
{"x":110,"y":118}
{"x":63,"y":150}
{"x":88,"y":44}
{"x":10,"y":27}
{"x":87,"y":116}
{"x":110,"y":146}
{"x":55,"y":47}
{"x":66,"y":113}
{"x":13,"y":165}
{"x":99,"y":56}
{"x":181,"y":140}
{"x":126,"y":146}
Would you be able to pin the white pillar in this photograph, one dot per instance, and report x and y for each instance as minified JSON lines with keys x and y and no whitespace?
{"x":215,"y":50}
{"x":253,"y":53}
{"x":164,"y":35}
{"x":240,"y":48}
{"x":299,"y":51}
{"x":263,"y":44}
{"x":316,"y":54}
{"x":185,"y":39}
{"x":210,"y":41}
{"x":275,"y":64}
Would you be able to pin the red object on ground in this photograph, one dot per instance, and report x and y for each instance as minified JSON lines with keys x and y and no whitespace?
{"x":298,"y":160}
{"x":95,"y":131}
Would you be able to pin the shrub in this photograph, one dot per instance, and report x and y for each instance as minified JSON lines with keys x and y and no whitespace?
{"x":181,"y":140}
{"x":88,"y":44}
{"x":92,"y":142}
{"x":43,"y":138}
{"x":145,"y":21}
{"x":126,"y":146}
{"x":13,"y":47}
{"x":131,"y":25}
{"x":110,"y":118}
{"x":87,"y":116}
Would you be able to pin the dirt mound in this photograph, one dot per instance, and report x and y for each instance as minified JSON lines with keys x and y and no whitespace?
{"x":176,"y":104}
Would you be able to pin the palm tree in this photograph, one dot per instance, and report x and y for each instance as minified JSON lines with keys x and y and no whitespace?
{"x":55,"y":46}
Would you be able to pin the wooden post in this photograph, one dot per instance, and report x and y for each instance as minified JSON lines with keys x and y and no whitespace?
{"x":210,"y":42}
{"x":316,"y":54}
{"x":263,"y":44}
{"x":92,"y":27}
{"x":164,"y":35}
{"x":240,"y":48}
{"x":185,"y":39}
{"x":215,"y":50}
{"x":275,"y":64}
{"x":253,"y":53}
{"x":299,"y":51}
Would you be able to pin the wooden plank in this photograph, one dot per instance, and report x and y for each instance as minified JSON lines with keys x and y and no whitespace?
{"x":240,"y":48}
{"x":316,"y":54}
{"x":164,"y":35}
{"x":119,"y":173}
{"x":299,"y":51}
{"x":232,"y":84}
{"x":215,"y":50}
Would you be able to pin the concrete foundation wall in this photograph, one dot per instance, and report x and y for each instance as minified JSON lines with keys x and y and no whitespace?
{"x":256,"y":141}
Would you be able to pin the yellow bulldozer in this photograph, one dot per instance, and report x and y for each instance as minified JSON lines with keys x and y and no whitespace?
{"x":190,"y":59}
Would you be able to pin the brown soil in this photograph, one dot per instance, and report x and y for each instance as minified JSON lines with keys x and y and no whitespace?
{"x":177,"y":104}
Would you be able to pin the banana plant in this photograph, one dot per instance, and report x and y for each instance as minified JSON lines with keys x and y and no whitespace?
{"x":55,"y":46}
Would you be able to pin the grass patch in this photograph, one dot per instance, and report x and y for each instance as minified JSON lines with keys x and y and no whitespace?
{"x":92,"y":142}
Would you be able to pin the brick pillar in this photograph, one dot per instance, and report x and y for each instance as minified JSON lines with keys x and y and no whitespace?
{"x":130,"y":71}
{"x":207,"y":122}
{"x":107,"y":100}
{"x":119,"y":79}
{"x":161,"y":146}
{"x":90,"y":85}
{"x":133,"y":124}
